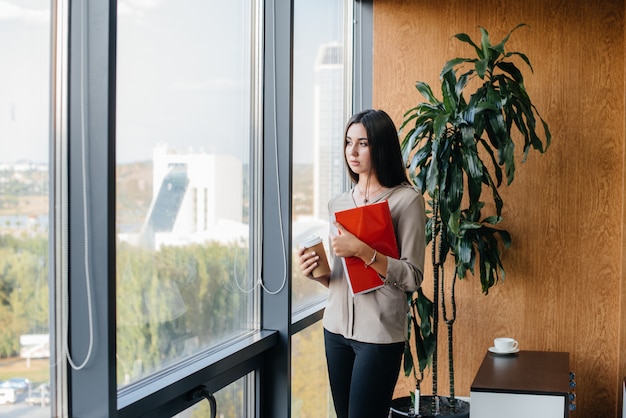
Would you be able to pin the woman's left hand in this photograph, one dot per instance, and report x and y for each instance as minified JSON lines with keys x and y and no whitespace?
{"x":346,"y":244}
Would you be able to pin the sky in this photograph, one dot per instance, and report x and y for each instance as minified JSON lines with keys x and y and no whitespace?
{"x":24,"y":79}
{"x":173,"y":81}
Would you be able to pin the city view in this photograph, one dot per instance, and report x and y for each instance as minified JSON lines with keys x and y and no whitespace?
{"x":24,"y":327}
{"x":24,"y":227}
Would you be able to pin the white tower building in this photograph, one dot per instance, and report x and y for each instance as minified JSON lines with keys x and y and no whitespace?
{"x":329,"y":121}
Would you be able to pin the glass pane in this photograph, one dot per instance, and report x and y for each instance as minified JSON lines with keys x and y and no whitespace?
{"x":24,"y":208}
{"x":184,"y":91}
{"x":310,"y":390}
{"x":233,"y":401}
{"x":318,"y":119}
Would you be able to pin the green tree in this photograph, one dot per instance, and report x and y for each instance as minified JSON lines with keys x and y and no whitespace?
{"x":176,"y":301}
{"x":23,"y":290}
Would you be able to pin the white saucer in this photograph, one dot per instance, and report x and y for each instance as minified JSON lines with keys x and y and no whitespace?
{"x":496,"y":351}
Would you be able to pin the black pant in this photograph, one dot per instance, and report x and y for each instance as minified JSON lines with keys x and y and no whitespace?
{"x":362,"y":375}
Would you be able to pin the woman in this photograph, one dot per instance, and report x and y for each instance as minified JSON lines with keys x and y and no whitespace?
{"x":364,"y":335}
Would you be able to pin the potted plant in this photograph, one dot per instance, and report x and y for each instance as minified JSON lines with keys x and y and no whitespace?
{"x":457,"y":148}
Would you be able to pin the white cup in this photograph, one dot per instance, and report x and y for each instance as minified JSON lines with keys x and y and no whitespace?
{"x":505,"y":344}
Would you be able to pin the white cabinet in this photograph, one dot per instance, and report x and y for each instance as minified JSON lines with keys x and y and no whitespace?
{"x":522,"y":385}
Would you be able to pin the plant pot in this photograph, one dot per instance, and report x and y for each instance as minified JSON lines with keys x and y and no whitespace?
{"x":400,"y":407}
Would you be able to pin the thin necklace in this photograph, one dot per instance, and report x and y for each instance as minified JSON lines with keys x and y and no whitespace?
{"x":367,"y":194}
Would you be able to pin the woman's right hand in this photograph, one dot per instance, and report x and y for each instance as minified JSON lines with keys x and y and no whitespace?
{"x":309,"y":260}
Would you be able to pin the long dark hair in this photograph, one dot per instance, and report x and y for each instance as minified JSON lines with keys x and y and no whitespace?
{"x":384,"y":144}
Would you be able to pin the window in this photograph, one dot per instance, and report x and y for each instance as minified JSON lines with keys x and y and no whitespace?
{"x":310,"y":393}
{"x":184,"y":116}
{"x":24,"y":208}
{"x":229,"y":402}
{"x":319,"y":115}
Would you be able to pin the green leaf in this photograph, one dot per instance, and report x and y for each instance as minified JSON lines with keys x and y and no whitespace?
{"x":505,"y":237}
{"x":486,"y":44}
{"x":481,"y":67}
{"x":469,"y":155}
{"x":461,"y":83}
{"x":454,"y":188}
{"x":408,"y":117}
{"x":408,"y":360}
{"x":492,"y":220}
{"x":523,"y":57}
{"x":465,"y":249}
{"x":463,"y":37}
{"x":507,"y":154}
{"x":512,"y":70}
{"x":408,"y":143}
{"x":423,"y":335}
{"x":432,"y":174}
{"x":496,"y":129}
{"x":466,"y":224}
{"x":448,"y":90}
{"x":425,"y":309}
{"x":440,"y":124}
{"x":453,"y":221}
{"x":425,"y":91}
{"x":496,"y":167}
{"x":500,"y":46}
{"x":448,"y":66}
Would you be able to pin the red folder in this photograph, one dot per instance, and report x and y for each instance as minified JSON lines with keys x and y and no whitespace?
{"x":372,"y":224}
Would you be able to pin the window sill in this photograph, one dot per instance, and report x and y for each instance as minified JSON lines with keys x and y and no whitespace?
{"x":214,"y":369}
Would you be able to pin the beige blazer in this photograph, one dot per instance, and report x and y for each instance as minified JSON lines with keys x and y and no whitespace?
{"x":380,"y":316}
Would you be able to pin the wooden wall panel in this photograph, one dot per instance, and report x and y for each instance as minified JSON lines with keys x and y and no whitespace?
{"x":565,"y":209}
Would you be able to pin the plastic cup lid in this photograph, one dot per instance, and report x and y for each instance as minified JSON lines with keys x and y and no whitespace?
{"x":311,"y":241}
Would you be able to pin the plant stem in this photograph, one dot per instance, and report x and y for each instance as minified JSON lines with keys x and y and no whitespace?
{"x":436,"y":260}
{"x":451,"y":364}
{"x":450,"y":322}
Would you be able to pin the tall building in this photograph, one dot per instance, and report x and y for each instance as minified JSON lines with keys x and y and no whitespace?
{"x":197,"y":197}
{"x":329,"y":112}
